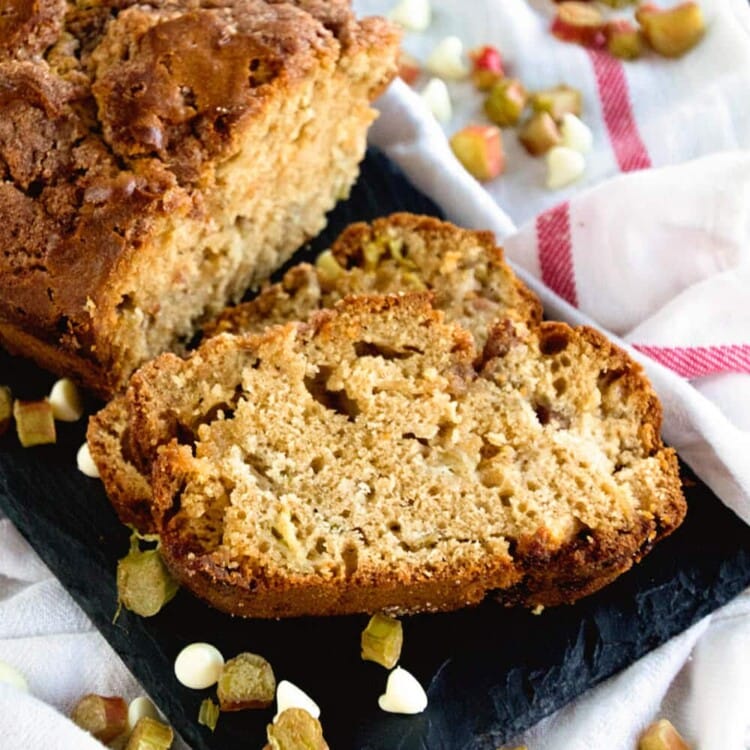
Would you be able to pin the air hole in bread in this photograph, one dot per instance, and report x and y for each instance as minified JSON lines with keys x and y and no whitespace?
{"x":336,"y":401}
{"x":374,"y":349}
{"x":553,"y":342}
{"x":350,"y":556}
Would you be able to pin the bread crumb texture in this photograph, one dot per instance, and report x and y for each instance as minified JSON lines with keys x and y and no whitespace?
{"x":156,"y":159}
{"x":373,"y":458}
{"x":464,"y":270}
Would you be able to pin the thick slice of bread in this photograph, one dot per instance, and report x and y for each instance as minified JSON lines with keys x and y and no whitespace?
{"x":464,"y":269}
{"x":157,"y":159}
{"x":370,"y":459}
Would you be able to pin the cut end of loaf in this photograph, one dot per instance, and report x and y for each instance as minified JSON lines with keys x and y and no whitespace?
{"x":365,"y":461}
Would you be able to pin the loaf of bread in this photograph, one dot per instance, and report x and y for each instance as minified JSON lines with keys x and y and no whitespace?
{"x":159,"y":158}
{"x":373,"y":458}
{"x":464,"y":270}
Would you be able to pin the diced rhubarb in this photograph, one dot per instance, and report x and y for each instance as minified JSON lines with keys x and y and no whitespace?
{"x":506,"y":101}
{"x":674,"y":31}
{"x":580,"y":23}
{"x":486,"y":67}
{"x":539,"y":134}
{"x":409,"y":68}
{"x":558,"y":101}
{"x":624,"y":40}
{"x":480,"y":149}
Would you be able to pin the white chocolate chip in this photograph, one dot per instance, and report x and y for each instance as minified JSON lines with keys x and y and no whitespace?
{"x":138,"y":708}
{"x":413,"y":15}
{"x":11,"y":676}
{"x":67,"y":405}
{"x":403,"y":694}
{"x":563,"y":166}
{"x":198,"y":665}
{"x":576,"y":134}
{"x":289,"y":695}
{"x":438,"y":100}
{"x":446,"y":61}
{"x":86,"y":463}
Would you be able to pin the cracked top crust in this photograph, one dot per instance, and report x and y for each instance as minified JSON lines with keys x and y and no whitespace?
{"x":113,"y":113}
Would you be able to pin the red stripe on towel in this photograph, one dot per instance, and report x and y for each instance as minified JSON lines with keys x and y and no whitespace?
{"x":698,"y":361}
{"x":630,"y":152}
{"x":556,"y":252}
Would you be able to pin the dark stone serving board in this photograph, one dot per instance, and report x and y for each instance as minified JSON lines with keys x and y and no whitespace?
{"x":490,"y":672}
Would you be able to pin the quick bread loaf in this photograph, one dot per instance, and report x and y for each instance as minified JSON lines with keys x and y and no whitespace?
{"x":464,"y":269}
{"x":373,"y":459}
{"x":158,"y":158}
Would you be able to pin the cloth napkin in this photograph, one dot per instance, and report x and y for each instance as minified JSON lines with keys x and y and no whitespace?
{"x":653,"y":244}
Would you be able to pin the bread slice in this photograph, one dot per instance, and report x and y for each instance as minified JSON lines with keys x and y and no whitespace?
{"x":158,"y":159}
{"x":464,"y":269}
{"x":372,"y":459}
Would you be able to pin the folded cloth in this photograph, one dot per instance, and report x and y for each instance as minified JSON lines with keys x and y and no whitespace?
{"x":660,"y":257}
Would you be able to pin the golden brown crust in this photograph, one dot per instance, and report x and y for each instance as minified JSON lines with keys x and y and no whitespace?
{"x":115,"y":117}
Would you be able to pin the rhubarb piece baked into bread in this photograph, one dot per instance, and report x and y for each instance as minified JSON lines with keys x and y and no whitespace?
{"x":373,"y":459}
{"x":464,"y":269}
{"x":158,"y":158}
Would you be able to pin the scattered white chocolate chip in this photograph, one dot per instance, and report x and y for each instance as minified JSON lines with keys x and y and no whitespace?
{"x":86,"y":463}
{"x":438,"y":100}
{"x":446,"y":59}
{"x":67,"y":405}
{"x":576,"y":134}
{"x":140,"y":707}
{"x":413,"y":15}
{"x":11,"y":676}
{"x":288,"y":695}
{"x":403,"y":694}
{"x":198,"y":665}
{"x":563,"y":166}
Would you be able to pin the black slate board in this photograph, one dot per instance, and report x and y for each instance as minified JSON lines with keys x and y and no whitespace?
{"x":491,"y":672}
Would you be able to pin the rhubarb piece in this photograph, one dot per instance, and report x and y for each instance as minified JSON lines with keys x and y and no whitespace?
{"x":479,"y":148}
{"x":138,"y":708}
{"x":103,"y":717}
{"x":438,"y":100}
{"x":539,"y":133}
{"x":67,"y":404}
{"x":661,"y":735}
{"x":413,"y":15}
{"x":486,"y":67}
{"x":382,"y":640}
{"x":580,"y":23}
{"x":295,"y":729}
{"x":576,"y":134}
{"x":198,"y":665}
{"x":328,"y":267}
{"x":624,"y":40}
{"x":288,"y":695}
{"x":144,"y":585}
{"x":208,"y":714}
{"x":674,"y":31}
{"x":6,"y":408}
{"x":564,"y":165}
{"x":246,"y":681}
{"x":446,"y":61}
{"x":409,"y":68}
{"x":403,"y":694}
{"x":35,"y":422}
{"x":558,"y":101}
{"x":150,"y":734}
{"x":505,"y":102}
